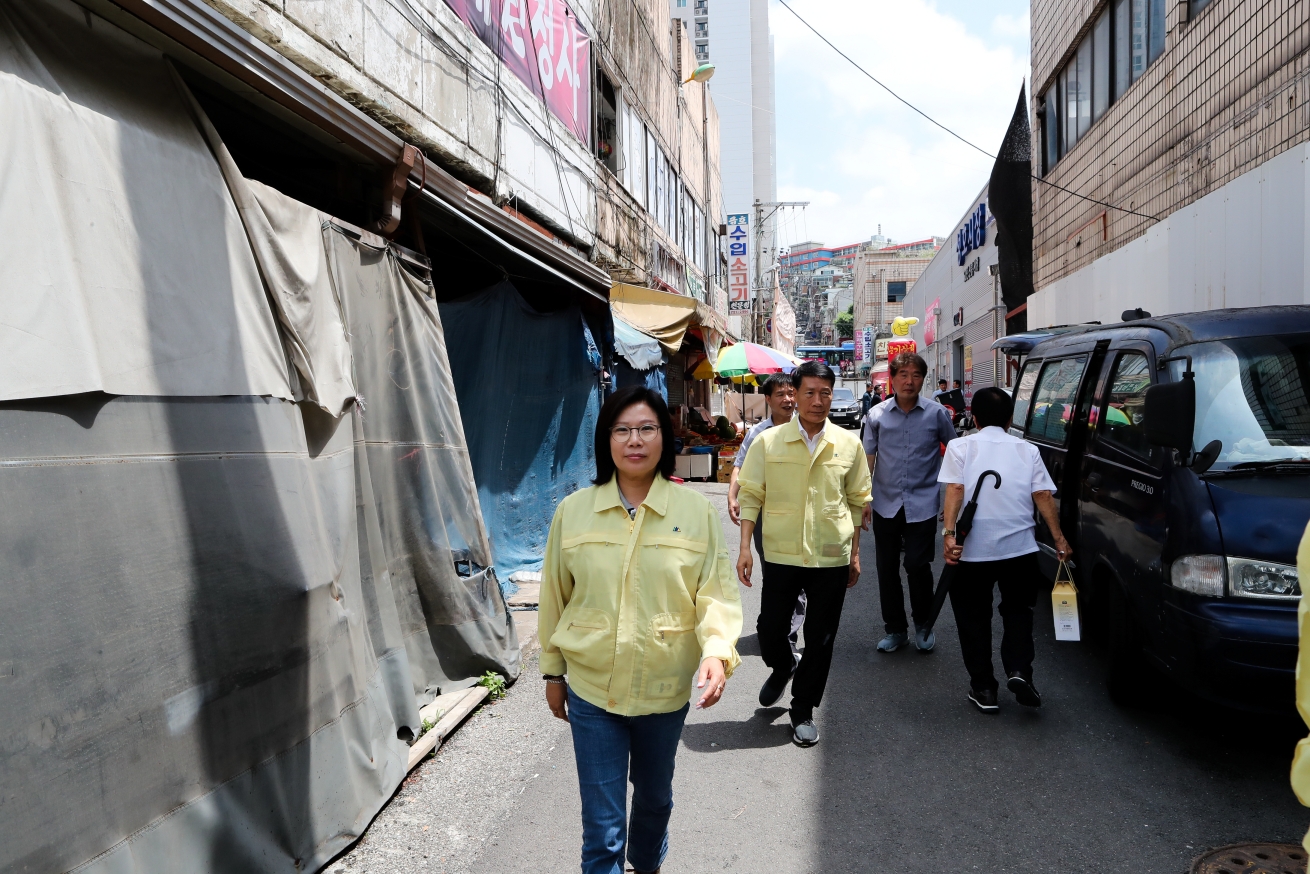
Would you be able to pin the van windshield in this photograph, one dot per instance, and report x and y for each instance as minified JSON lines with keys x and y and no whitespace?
{"x":1251,"y":394}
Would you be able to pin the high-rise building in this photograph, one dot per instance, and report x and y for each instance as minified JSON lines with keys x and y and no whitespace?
{"x":734,"y":36}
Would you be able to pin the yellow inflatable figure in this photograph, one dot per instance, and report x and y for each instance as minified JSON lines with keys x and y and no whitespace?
{"x":901,"y":325}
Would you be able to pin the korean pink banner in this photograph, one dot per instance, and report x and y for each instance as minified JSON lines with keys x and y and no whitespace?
{"x":545,"y":45}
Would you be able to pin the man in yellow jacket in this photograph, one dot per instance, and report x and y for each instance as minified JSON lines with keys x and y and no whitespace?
{"x":811,"y":481}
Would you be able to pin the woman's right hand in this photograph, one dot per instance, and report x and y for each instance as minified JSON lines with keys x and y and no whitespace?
{"x":557,"y":698}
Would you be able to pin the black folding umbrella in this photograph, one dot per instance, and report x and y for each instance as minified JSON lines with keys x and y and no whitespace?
{"x":962,"y":528}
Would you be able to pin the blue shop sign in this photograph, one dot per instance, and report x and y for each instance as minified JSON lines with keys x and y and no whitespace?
{"x":973,"y":235}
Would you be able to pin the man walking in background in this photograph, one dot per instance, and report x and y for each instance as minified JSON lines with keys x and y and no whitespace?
{"x":903,"y":438}
{"x":941,"y":389}
{"x":1001,"y":548}
{"x":780,"y":397}
{"x":812,"y":483}
{"x":869,"y":399}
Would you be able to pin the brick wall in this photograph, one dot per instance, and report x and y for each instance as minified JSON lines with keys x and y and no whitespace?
{"x":1231,"y":91}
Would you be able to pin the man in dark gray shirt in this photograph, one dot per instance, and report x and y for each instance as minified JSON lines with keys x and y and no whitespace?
{"x":903,"y":438}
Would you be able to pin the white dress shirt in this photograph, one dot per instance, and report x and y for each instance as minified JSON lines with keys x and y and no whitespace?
{"x":1004,"y":525}
{"x":813,"y":442}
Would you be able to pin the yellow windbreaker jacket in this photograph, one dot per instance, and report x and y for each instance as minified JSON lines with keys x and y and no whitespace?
{"x":630,"y":607}
{"x":811,"y":503}
{"x":1301,"y":759}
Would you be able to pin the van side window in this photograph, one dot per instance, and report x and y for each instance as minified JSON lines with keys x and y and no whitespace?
{"x":1055,"y":398}
{"x":1023,"y":393}
{"x":1121,"y":421}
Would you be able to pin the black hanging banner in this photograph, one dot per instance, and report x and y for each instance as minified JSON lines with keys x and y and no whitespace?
{"x":1011,"y":196}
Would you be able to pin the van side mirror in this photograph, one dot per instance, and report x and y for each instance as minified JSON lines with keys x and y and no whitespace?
{"x":1170,"y":414}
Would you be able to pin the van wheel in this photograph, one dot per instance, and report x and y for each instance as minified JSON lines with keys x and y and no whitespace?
{"x":1128,"y":673}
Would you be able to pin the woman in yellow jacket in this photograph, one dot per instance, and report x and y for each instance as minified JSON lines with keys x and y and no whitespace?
{"x":638,"y":601}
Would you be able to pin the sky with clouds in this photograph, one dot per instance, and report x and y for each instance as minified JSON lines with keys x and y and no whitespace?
{"x":857,"y":155}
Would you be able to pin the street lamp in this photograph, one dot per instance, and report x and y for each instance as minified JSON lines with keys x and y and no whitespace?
{"x":701,"y":74}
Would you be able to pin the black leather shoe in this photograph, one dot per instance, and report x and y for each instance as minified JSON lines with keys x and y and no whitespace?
{"x":1024,"y":690}
{"x":773,"y":688}
{"x":984,"y":700}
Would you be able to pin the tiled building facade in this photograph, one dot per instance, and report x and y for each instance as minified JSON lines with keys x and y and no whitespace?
{"x":1150,"y":106}
{"x":882,"y":277}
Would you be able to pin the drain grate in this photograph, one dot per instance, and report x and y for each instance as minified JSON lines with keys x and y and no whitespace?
{"x":1252,"y":859}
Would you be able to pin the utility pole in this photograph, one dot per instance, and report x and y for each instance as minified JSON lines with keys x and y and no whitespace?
{"x":760,"y":218}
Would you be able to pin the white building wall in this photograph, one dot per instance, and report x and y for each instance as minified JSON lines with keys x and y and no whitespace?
{"x":1245,"y":244}
{"x":944,"y":282}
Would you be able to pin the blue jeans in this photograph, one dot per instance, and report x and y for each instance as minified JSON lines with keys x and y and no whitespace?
{"x":610,"y":750}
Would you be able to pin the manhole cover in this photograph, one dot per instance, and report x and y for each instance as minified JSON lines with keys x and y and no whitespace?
{"x":1252,"y":859}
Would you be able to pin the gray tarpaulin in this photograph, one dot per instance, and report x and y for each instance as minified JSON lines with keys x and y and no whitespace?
{"x":190,"y":682}
{"x":220,"y":614}
{"x":126,"y":268}
{"x":288,"y":245}
{"x":410,"y":442}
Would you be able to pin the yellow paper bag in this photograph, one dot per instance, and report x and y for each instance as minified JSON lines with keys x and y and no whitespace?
{"x":1064,"y":605}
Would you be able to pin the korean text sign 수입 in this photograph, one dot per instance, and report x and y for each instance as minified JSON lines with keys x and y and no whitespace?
{"x":545,"y":45}
{"x":739,"y":274}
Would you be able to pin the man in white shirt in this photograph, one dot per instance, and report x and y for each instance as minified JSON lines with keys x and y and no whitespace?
{"x":1001,"y":548}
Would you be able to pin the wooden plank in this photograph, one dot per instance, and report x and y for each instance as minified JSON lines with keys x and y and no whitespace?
{"x":470,"y":699}
{"x":528,"y":595}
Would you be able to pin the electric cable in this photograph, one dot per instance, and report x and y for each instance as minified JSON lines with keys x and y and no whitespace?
{"x":962,"y":139}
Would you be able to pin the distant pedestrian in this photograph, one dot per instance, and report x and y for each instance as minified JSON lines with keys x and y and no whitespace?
{"x":780,"y":397}
{"x":941,"y":389}
{"x":955,"y":385}
{"x":867,"y":402}
{"x":903,"y":438}
{"x":637,"y":598}
{"x":1000,"y":549}
{"x":812,"y":483}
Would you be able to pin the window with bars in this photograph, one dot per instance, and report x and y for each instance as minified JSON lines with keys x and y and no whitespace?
{"x":1126,"y":38}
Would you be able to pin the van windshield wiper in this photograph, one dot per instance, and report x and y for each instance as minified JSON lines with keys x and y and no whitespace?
{"x":1295,"y":464}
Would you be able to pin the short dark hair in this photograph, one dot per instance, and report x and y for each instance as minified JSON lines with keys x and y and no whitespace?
{"x":815,"y":369}
{"x":941,"y":382}
{"x":773,"y":383}
{"x":992,"y":406}
{"x":907,"y":359}
{"x":612,"y":409}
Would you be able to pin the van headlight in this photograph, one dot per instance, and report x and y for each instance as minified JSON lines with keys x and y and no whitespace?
{"x":1250,"y":578}
{"x":1217,"y":575}
{"x":1199,"y":574}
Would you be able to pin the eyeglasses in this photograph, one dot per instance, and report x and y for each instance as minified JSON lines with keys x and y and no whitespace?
{"x":623,"y":433}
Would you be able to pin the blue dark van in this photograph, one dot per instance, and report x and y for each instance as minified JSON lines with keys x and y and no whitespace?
{"x":1180,"y":446}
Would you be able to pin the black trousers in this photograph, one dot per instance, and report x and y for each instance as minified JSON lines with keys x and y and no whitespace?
{"x":797,"y":614}
{"x":917,"y":539}
{"x":971,"y":599}
{"x":825,"y":593}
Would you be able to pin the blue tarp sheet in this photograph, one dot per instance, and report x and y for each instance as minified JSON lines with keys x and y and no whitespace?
{"x":529,"y":393}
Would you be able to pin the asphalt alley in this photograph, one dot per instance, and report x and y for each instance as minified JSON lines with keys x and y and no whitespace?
{"x":907,"y":775}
